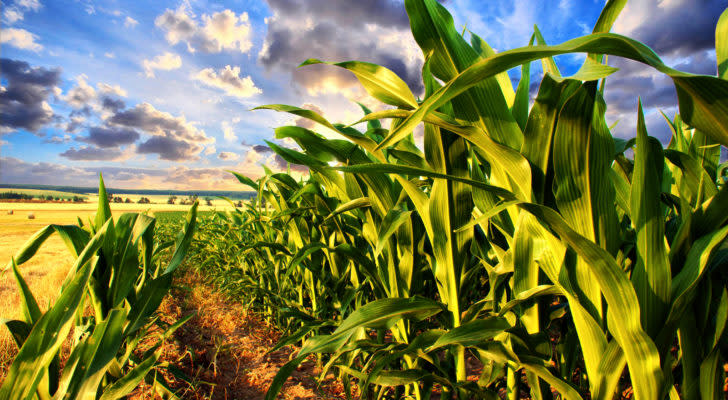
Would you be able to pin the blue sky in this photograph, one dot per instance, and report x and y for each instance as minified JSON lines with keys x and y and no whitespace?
{"x":157,"y":94}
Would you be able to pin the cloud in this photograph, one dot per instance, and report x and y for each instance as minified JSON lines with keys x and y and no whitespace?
{"x":228,"y":79}
{"x":375,"y":31}
{"x":111,"y":104}
{"x":110,"y":136}
{"x":23,"y":102}
{"x":109,"y":55}
{"x":16,"y":11}
{"x":173,"y":138}
{"x":105,"y":88}
{"x":305,"y":122}
{"x":130,"y":22}
{"x":227,"y":132}
{"x":81,"y":94}
{"x":221,"y":31}
{"x":20,"y":38}
{"x":227,"y":155}
{"x":261,"y":149}
{"x":170,"y":148}
{"x":90,"y":153}
{"x":672,"y":27}
{"x":159,"y":123}
{"x":13,"y":170}
{"x":166,"y":62}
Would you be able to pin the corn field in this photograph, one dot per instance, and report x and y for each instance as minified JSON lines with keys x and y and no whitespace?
{"x":106,"y":308}
{"x":522,"y":251}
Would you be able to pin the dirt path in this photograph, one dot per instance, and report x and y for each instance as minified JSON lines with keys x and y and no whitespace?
{"x":223,"y":351}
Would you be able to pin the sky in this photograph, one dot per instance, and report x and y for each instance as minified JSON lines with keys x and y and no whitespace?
{"x":158,"y":95}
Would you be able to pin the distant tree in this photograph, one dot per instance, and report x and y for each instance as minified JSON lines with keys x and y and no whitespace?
{"x":49,"y":197}
{"x":128,"y":200}
{"x":172,"y":199}
{"x":144,"y":200}
{"x":77,"y":199}
{"x":239,"y":204}
{"x":208,"y":201}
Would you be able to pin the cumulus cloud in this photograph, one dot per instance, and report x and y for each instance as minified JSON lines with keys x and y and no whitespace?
{"x":105,"y":88}
{"x":81,"y":94}
{"x":170,"y":148}
{"x":23,"y":103}
{"x":20,"y":38}
{"x":220,"y":31}
{"x":166,"y":62}
{"x":173,"y":138}
{"x":130,"y":22}
{"x":16,"y":11}
{"x":227,"y":155}
{"x":305,"y":122}
{"x":144,"y":116}
{"x":228,"y":79}
{"x":91,"y":153}
{"x":676,"y":27}
{"x":685,"y":46}
{"x":375,"y":31}
{"x":110,"y":136}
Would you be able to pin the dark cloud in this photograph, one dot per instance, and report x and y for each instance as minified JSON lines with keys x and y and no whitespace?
{"x":111,"y":104}
{"x":170,"y":148}
{"x":375,"y":31}
{"x":261,"y":149}
{"x":682,"y":28}
{"x":110,"y":136}
{"x":13,"y":170}
{"x":145,"y":117}
{"x":89,"y":153}
{"x":23,"y":103}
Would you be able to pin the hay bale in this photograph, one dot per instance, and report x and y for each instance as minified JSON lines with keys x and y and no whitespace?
{"x":10,"y":212}
{"x":31,"y":216}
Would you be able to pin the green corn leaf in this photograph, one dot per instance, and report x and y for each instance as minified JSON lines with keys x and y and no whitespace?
{"x":381,"y":83}
{"x":48,"y":334}
{"x":362,"y":202}
{"x":131,"y":379}
{"x":103,"y":213}
{"x":182,"y":244}
{"x":652,"y":275}
{"x":696,"y":94}
{"x":721,"y":45}
{"x":28,"y":304}
{"x":472,"y":333}
{"x":641,"y":353}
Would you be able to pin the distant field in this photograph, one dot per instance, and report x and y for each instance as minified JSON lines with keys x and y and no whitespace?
{"x":38,"y":193}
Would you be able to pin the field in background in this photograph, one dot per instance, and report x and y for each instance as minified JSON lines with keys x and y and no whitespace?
{"x":46,"y":271}
{"x":42,"y":193}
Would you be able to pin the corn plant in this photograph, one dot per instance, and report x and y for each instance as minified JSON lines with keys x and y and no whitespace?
{"x":119,"y":274}
{"x":522,"y":235}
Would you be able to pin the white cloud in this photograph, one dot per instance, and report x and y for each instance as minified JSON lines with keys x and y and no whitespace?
{"x":228,"y":133}
{"x":81,"y":94}
{"x":130,"y":22}
{"x":167,"y":61}
{"x":109,"y":55}
{"x":105,"y":88}
{"x":229,"y":80}
{"x":16,"y":12}
{"x":20,"y":38}
{"x":214,"y":33}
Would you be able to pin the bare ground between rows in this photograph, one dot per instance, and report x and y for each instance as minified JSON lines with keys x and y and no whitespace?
{"x":223,"y":350}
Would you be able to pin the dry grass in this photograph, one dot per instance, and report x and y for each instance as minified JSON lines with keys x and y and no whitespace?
{"x":223,"y":350}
